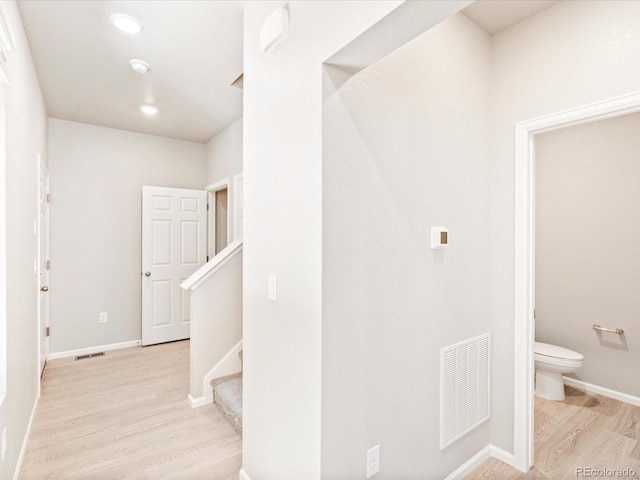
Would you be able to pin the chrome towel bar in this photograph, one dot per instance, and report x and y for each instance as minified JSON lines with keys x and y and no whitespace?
{"x":619,"y":331}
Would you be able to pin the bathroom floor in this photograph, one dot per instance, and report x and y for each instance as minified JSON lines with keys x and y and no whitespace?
{"x":586,"y":431}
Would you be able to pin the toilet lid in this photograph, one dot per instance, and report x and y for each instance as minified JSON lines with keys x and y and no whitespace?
{"x":549,"y":350}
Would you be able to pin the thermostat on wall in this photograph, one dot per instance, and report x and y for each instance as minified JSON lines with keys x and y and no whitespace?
{"x":439,"y":238}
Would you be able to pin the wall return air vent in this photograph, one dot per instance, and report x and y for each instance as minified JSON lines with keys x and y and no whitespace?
{"x":464,"y":390}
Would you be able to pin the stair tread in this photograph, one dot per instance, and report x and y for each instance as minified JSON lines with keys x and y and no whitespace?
{"x":228,"y":395}
{"x":220,"y":380}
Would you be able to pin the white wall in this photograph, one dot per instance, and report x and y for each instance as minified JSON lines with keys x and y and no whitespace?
{"x":224,"y":153}
{"x":97,"y":175}
{"x":406,"y":147}
{"x":283,"y":222}
{"x":588,"y":246}
{"x":26,"y":137}
{"x":572,"y":54}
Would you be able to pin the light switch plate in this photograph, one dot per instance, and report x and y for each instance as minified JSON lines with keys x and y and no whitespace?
{"x":273,"y":288}
{"x":373,"y":461}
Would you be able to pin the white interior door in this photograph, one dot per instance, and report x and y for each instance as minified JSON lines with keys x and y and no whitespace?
{"x":43,"y":265}
{"x":173,"y":247}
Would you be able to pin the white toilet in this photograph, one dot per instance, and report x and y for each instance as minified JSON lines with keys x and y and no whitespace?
{"x":551,"y":362}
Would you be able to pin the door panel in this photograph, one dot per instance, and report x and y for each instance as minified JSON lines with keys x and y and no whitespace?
{"x":173,"y":247}
{"x":161,"y":291}
{"x":161,"y":242}
{"x":189,"y":231}
{"x":185,"y":306}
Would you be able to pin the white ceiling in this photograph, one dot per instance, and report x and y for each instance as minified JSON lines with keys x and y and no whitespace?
{"x":194,"y":49}
{"x":494,"y":16}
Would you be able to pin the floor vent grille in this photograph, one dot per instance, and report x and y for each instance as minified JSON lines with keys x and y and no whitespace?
{"x":90,"y":355}
{"x":464,"y":393}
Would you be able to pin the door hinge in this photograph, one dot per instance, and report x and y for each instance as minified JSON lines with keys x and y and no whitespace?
{"x":48,"y":264}
{"x":207,"y":258}
{"x":48,"y":198}
{"x":46,"y":332}
{"x":207,"y":207}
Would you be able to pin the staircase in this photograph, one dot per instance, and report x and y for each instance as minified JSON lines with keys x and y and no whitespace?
{"x":227,"y":394}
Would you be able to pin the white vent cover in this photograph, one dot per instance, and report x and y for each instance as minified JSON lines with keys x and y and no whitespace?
{"x":464,"y":390}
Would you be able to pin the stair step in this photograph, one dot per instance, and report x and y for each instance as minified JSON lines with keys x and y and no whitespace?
{"x":227,"y":393}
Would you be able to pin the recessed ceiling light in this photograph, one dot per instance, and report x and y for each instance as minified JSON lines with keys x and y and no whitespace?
{"x":126,"y":23}
{"x":139,"y":66}
{"x":148,"y":109}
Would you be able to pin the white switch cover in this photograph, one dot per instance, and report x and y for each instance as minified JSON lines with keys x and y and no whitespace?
{"x":273,"y":288}
{"x":4,"y":443}
{"x":373,"y":461}
{"x":103,"y":318}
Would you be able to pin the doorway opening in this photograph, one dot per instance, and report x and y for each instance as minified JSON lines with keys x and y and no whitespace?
{"x":524,"y":326}
{"x":219,"y":226}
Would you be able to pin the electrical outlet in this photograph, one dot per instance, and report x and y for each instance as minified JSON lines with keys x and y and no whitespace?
{"x":373,"y":461}
{"x":103,"y":318}
{"x":4,"y":443}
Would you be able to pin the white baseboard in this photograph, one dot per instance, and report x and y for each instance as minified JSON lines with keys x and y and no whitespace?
{"x":623,"y":397}
{"x":243,"y":475}
{"x":501,"y":455}
{"x":489,"y":451}
{"x":467,"y":467}
{"x":96,"y":349}
{"x":196,"y":402}
{"x":25,"y":439}
{"x":229,"y":365}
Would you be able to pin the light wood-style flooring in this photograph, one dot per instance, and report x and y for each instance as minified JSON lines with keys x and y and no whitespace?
{"x":126,"y":416}
{"x":586,"y":430}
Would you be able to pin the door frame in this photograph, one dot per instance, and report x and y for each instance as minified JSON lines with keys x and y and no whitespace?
{"x":211,"y":213}
{"x":524,"y":301}
{"x":42,"y":171}
{"x":3,"y":232}
{"x":237,"y":212}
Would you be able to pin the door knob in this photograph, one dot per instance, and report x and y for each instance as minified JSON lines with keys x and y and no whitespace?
{"x":44,"y":289}
{"x":147,"y":274}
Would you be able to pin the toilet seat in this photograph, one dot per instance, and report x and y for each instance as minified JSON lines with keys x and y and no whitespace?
{"x":555,"y":355}
{"x":548,"y":350}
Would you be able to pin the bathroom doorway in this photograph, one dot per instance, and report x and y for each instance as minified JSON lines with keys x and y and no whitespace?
{"x":525,"y":246}
{"x":587,"y":240}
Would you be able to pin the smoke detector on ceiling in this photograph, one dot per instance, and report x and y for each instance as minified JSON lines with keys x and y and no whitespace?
{"x":139,"y":66}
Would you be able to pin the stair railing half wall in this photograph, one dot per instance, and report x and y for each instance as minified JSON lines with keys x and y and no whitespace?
{"x":215,"y":292}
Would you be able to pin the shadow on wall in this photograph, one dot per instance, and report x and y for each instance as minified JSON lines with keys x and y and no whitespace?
{"x":606,"y":340}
